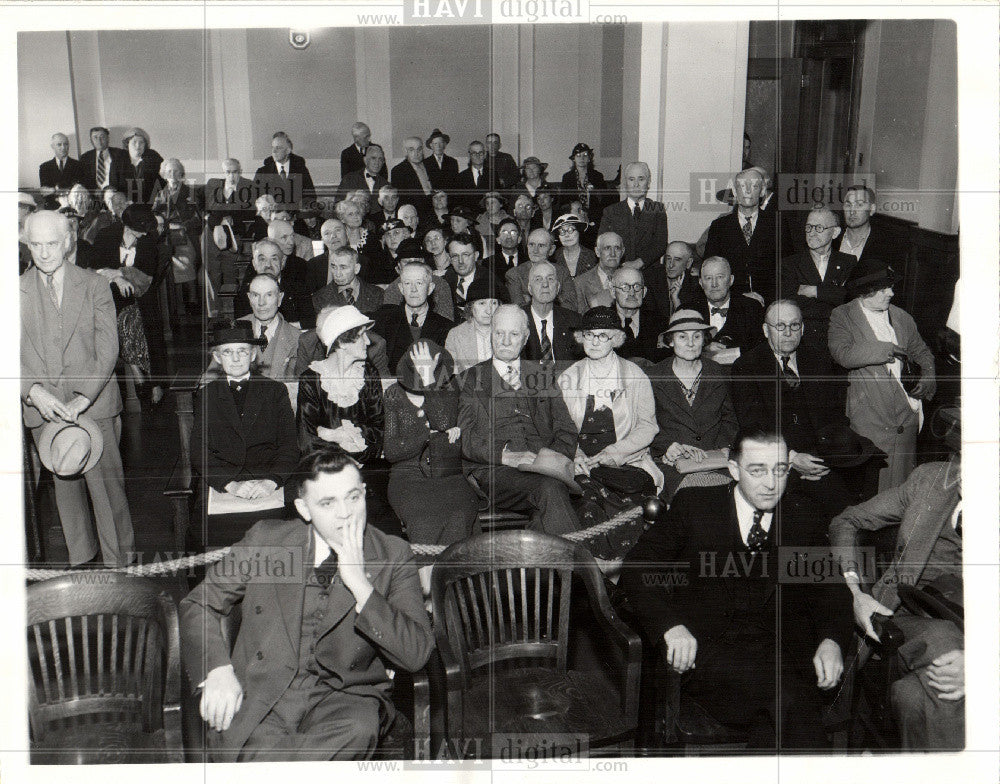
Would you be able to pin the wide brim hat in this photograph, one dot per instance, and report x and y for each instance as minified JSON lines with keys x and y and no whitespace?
{"x":238,"y":331}
{"x":493,"y":195}
{"x":135,"y":132}
{"x":410,"y":380}
{"x":461,"y":212}
{"x":581,"y":147}
{"x":686,"y":319}
{"x":139,"y":217}
{"x":550,"y":463}
{"x":532,"y":159}
{"x":569,"y":219}
{"x":486,"y":287}
{"x":869,"y":275}
{"x":840,"y":447}
{"x":391,"y":224}
{"x":601,"y":317}
{"x":338,"y":321}
{"x":437,"y":133}
{"x":411,"y":248}
{"x":70,"y":448}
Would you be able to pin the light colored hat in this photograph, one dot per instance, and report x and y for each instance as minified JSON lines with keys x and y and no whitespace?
{"x":550,"y":463}
{"x":69,"y":449}
{"x":135,"y":132}
{"x":28,"y":200}
{"x":338,"y":321}
{"x":685,"y":319}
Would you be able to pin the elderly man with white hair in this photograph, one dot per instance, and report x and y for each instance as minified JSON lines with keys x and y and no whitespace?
{"x":273,"y":256}
{"x":410,"y":176}
{"x":61,"y":172}
{"x":637,"y":219}
{"x":69,"y":347}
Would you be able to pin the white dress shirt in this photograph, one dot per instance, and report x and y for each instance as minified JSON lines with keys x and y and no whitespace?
{"x":792,"y":362}
{"x":744,"y":515}
{"x":548,"y":326}
{"x":854,"y":250}
{"x":883,"y":329}
{"x":821,"y":263}
{"x":126,"y":256}
{"x":716,"y":319}
{"x":632,"y":202}
{"x":421,"y":314}
{"x":509,"y":371}
{"x":753,"y":220}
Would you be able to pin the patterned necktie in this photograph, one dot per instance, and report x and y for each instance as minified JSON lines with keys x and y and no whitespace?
{"x":512,"y":380}
{"x":102,"y":169}
{"x":748,"y":230}
{"x":545,"y":343}
{"x":414,"y":322}
{"x":790,"y":376}
{"x":349,"y":297}
{"x":50,"y":286}
{"x":263,"y":336}
{"x":724,"y":312}
{"x":629,"y":326}
{"x":326,"y":571}
{"x":757,"y":535}
{"x":636,"y":212}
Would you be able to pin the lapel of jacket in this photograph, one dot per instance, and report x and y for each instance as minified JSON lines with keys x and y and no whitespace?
{"x":31,"y":287}
{"x":341,"y":600}
{"x":253,"y":404}
{"x":288,"y":594}
{"x":72,"y":300}
{"x":227,"y":406}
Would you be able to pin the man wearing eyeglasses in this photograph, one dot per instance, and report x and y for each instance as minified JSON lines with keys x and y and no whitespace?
{"x":717,"y":550}
{"x":816,"y":278}
{"x":244,"y":438}
{"x":785,"y":384}
{"x":638,"y":319}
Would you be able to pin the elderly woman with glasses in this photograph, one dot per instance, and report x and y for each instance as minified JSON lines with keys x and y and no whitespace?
{"x":890,"y":368}
{"x":578,"y":259}
{"x":693,"y":407}
{"x":611,"y":402}
{"x":340,"y":402}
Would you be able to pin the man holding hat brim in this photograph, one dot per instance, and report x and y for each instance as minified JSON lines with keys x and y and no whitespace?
{"x":69,"y":347}
{"x":127,"y":254}
{"x":426,"y":486}
{"x":786,"y":382}
{"x":512,"y":415}
{"x":244,"y":439}
{"x":470,"y":342}
{"x":441,"y":168}
{"x":871,"y":338}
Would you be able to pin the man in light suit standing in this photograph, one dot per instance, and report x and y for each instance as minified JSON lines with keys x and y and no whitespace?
{"x":69,"y":346}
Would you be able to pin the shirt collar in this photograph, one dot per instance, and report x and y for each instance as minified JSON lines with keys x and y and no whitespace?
{"x":239,"y":379}
{"x":57,"y":276}
{"x":632,"y":202}
{"x":501,"y":367}
{"x":354,"y":286}
{"x":320,"y":546}
{"x":791,"y":359}
{"x":421,"y":313}
{"x":744,"y":514}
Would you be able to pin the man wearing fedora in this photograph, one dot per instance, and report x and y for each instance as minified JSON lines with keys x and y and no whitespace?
{"x":441,"y":168}
{"x":244,"y":438}
{"x":69,"y":347}
{"x":638,"y":220}
{"x":306,"y":677}
{"x":786,"y":384}
{"x":922,"y":590}
{"x":518,"y":440}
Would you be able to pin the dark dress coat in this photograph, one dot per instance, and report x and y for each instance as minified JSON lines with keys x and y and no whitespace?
{"x":49,"y":175}
{"x":118,"y":170}
{"x":564,"y":345}
{"x":644,"y":239}
{"x":800,"y":270}
{"x":755,"y":266}
{"x":391,"y":324}
{"x":294,"y":191}
{"x":744,"y":321}
{"x":142,"y":179}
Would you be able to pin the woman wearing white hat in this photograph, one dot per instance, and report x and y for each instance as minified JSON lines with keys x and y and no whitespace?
{"x":340,"y":403}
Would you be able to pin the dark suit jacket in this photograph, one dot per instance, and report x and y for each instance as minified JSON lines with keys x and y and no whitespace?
{"x":391,"y":324}
{"x":368,"y":302}
{"x":356,"y":181}
{"x":302,"y":188}
{"x":744,"y":322}
{"x":658,"y":291}
{"x":879,"y":246}
{"x":296,"y":306}
{"x":261,"y":444}
{"x":468,"y":193}
{"x":755,"y":266}
{"x":544,"y":419}
{"x":404,"y":178}
{"x":49,"y":175}
{"x":82,"y":360}
{"x":350,"y":645}
{"x":757,"y":384}
{"x":119,"y":168}
{"x":800,"y":270}
{"x":105,"y":254}
{"x":483,"y":271}
{"x":351,"y":161}
{"x":701,"y":528}
{"x":143,"y":181}
{"x":442,"y":177}
{"x":600,"y":196}
{"x":499,"y":261}
{"x":508,"y":173}
{"x":644,"y":344}
{"x":709,"y":424}
{"x":564,"y":345}
{"x":645,"y":239}
{"x":240,"y":206}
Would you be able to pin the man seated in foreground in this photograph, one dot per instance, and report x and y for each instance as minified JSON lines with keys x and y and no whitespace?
{"x":308,"y":658}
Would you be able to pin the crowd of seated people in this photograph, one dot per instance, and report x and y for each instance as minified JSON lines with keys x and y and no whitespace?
{"x":484,"y":338}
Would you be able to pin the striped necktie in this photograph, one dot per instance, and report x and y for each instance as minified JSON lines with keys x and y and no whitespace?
{"x":102,"y":168}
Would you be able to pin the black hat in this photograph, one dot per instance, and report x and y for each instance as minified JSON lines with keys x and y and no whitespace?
{"x":601,"y":317}
{"x":462,"y":211}
{"x":393,"y":223}
{"x":239,"y":331}
{"x":492,"y":195}
{"x":410,"y":380}
{"x":546,"y":187}
{"x":139,"y":217}
{"x":869,"y":275}
{"x":438,"y":134}
{"x":410,"y":248}
{"x":485,"y":287}
{"x":840,"y":447}
{"x":581,"y":147}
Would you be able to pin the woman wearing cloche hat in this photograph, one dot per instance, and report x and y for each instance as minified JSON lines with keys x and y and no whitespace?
{"x":340,"y":402}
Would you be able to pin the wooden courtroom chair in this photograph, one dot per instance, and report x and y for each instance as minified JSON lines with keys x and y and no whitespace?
{"x":501,"y":607}
{"x":104,"y":660}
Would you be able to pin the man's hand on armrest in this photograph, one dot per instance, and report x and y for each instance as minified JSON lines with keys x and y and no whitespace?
{"x":865,"y":605}
{"x":221,"y":697}
{"x":682,"y":647}
{"x":829,"y":664}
